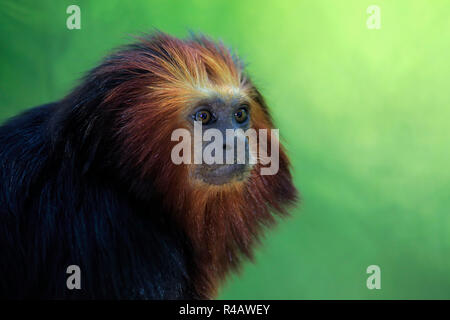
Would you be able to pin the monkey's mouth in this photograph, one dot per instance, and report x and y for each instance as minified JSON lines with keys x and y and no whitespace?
{"x":222,"y":173}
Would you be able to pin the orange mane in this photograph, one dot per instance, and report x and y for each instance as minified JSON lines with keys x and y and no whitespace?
{"x":222,"y":223}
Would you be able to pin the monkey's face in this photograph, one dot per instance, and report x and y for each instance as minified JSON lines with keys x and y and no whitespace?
{"x":224,"y":149}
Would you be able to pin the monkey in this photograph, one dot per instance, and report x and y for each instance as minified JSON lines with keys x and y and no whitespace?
{"x":88,"y":180}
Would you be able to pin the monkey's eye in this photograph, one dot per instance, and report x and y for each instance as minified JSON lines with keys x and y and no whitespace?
{"x":241,"y":115}
{"x":204,"y":116}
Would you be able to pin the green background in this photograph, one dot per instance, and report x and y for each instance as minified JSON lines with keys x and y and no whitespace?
{"x":364,"y":113}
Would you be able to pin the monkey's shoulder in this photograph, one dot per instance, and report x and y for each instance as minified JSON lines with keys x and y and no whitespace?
{"x":24,"y":151}
{"x":53,"y":216}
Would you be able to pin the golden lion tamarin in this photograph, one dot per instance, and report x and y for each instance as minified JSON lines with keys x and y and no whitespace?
{"x":89,"y":180}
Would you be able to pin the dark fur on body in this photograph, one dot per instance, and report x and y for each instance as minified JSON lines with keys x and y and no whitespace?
{"x":55,"y":213}
{"x":69,"y":196}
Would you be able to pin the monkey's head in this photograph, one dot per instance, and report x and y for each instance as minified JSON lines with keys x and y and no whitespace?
{"x":151,"y":90}
{"x":196,"y":85}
